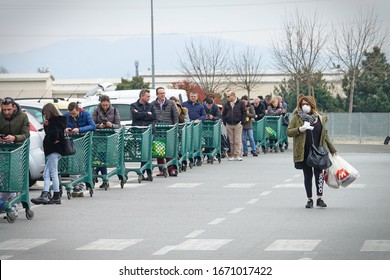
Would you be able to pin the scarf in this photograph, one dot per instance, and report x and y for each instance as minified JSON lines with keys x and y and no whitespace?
{"x":308,"y":118}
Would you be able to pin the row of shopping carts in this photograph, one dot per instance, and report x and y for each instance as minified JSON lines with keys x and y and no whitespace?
{"x":129,"y":149}
{"x":270,"y":133}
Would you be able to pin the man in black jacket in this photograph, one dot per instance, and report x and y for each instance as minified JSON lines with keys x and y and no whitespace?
{"x":143,"y":114}
{"x":233,"y":116}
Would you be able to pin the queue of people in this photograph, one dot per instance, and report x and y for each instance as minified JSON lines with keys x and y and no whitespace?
{"x":237,"y":115}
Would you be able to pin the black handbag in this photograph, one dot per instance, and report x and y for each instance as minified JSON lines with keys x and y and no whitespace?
{"x":68,"y":146}
{"x":318,"y":157}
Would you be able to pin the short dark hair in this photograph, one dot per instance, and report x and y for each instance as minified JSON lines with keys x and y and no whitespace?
{"x":244,"y":97}
{"x":209,"y":101}
{"x":72,"y":106}
{"x":7,"y":101}
{"x":158,"y":89}
{"x":143,"y":91}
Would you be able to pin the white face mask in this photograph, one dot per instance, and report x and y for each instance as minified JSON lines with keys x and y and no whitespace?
{"x":306,"y":108}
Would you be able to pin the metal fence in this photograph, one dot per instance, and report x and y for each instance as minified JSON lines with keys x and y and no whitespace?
{"x":358,"y":128}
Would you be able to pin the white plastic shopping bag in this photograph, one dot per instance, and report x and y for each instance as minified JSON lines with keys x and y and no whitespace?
{"x":341,"y":173}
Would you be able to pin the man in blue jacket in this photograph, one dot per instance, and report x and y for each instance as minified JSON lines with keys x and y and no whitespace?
{"x":195,"y":109}
{"x":79,"y":121}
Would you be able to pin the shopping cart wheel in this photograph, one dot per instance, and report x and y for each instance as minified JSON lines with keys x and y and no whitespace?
{"x":165,"y":173}
{"x":91,"y":192}
{"x":150,"y":176}
{"x":140,"y":178}
{"x":219,"y":159}
{"x":184,"y":168}
{"x":263,"y":149}
{"x":68,"y":194}
{"x":29,"y":214}
{"x":191,"y":164}
{"x":11,"y":217}
{"x":198,"y":162}
{"x":286,"y":146}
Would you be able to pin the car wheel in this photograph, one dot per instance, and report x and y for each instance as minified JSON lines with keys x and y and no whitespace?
{"x":31,"y":182}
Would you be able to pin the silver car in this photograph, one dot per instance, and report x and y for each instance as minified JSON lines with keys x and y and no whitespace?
{"x":37,"y":156}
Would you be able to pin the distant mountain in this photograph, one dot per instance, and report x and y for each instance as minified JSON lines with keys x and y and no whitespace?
{"x":85,"y":58}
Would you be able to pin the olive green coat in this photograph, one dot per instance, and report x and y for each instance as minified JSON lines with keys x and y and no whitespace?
{"x":299,"y":138}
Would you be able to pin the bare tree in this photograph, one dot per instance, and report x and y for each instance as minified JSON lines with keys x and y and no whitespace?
{"x":245,"y":69}
{"x":351,"y":39}
{"x":3,"y":70}
{"x":205,"y":64}
{"x":298,"y":50}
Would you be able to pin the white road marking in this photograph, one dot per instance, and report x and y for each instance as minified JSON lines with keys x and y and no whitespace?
{"x":22,"y":244}
{"x":253,"y":201}
{"x":376,"y":245}
{"x":164,"y":250}
{"x":184,"y":185}
{"x":202,"y":244}
{"x":195,"y":233}
{"x":265,"y":193}
{"x":240,"y":185}
{"x":288,"y":185}
{"x":236,"y":210}
{"x":216,"y":221}
{"x":287,"y":180}
{"x":293,"y":245}
{"x":5,"y":257}
{"x":110,"y":244}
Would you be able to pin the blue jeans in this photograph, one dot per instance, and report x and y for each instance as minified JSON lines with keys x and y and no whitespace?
{"x":248,"y":133}
{"x":51,"y":172}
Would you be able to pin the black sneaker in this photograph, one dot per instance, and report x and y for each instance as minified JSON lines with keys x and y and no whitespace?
{"x":320,"y":203}
{"x":309,"y":203}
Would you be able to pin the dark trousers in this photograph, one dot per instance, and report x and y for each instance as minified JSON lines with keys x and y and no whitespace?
{"x":308,"y":179}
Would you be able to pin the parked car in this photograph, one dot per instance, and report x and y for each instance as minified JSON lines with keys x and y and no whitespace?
{"x":35,"y":108}
{"x":123,"y":106}
{"x":37,"y":156}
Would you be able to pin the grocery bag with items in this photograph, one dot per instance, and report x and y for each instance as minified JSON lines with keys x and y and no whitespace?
{"x":340,"y":174}
{"x":158,"y":149}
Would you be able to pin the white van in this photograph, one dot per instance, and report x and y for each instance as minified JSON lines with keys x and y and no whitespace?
{"x":180,"y":94}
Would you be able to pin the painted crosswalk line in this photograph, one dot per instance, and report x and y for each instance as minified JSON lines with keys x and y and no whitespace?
{"x":293,"y":245}
{"x":22,"y":244}
{"x":240,"y":185}
{"x":110,"y":244}
{"x":184,"y":185}
{"x":376,"y":246}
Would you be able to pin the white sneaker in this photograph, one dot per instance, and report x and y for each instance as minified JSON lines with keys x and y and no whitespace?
{"x":16,"y":210}
{"x":238,"y":158}
{"x":231,"y":158}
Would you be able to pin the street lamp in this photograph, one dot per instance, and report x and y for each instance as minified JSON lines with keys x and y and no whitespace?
{"x":136,"y":63}
{"x":153,"y":83}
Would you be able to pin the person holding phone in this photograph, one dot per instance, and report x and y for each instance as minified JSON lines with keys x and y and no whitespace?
{"x":105,"y":116}
{"x":79,"y":121}
{"x":14,"y":128}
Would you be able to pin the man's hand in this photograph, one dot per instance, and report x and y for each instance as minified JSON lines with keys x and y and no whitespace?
{"x":9,"y":139}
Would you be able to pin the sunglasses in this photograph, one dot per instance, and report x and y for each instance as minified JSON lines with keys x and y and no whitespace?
{"x":7,"y":101}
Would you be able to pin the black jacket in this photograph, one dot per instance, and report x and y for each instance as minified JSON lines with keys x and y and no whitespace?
{"x":234,"y":115}
{"x":140,"y":114}
{"x":259,"y":111}
{"x":54,"y":132}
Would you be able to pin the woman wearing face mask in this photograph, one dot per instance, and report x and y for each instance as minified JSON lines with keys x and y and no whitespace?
{"x":305,"y":126}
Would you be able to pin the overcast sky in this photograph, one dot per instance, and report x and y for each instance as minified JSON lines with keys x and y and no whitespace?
{"x":30,"y":24}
